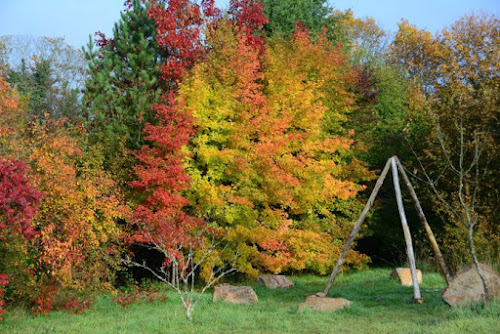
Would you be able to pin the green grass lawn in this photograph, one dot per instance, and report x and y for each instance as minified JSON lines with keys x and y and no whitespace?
{"x":380,"y":305}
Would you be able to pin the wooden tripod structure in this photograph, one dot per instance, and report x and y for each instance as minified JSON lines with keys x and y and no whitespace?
{"x":396,"y":166}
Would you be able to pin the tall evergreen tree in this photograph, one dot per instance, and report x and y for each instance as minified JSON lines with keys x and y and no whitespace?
{"x":123,"y":85}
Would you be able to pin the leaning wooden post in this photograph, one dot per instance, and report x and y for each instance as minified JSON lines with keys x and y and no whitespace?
{"x":406,"y":231}
{"x":437,"y":252}
{"x":355,"y":229}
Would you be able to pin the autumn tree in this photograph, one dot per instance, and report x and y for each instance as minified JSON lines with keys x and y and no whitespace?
{"x":74,"y":251}
{"x":18,"y":205}
{"x":160,"y":220}
{"x":79,"y":237}
{"x":271,"y":161}
{"x":454,"y":79}
{"x":250,"y":20}
{"x":19,"y":200}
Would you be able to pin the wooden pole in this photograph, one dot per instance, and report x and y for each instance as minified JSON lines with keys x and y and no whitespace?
{"x":437,"y":252}
{"x":355,"y":229}
{"x":406,"y":231}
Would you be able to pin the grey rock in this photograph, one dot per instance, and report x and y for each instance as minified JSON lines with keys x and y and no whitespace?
{"x":235,"y":294}
{"x":275,"y":281}
{"x":324,"y":304}
{"x":466,"y":287}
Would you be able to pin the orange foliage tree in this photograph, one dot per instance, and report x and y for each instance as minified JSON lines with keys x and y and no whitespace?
{"x":271,"y":162}
{"x":78,"y":239}
{"x":19,"y":199}
{"x":75,"y":248}
{"x":18,"y":205}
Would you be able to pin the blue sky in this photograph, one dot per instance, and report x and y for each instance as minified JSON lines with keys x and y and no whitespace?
{"x":76,"y":19}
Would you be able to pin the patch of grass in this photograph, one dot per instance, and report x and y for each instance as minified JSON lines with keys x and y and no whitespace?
{"x":381,"y":305}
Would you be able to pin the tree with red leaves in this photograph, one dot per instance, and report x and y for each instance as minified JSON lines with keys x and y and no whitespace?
{"x":250,"y":18}
{"x":160,"y":218}
{"x":4,"y":280}
{"x":19,"y":201}
{"x":18,"y":205}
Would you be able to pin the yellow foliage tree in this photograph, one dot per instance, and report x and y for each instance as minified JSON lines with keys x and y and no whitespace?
{"x":271,"y":162}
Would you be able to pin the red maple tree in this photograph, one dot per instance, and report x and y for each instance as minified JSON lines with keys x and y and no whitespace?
{"x":160,"y":217}
{"x":18,"y":205}
{"x":19,"y":200}
{"x":250,"y":18}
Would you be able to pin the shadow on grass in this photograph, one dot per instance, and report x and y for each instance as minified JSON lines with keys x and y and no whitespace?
{"x":368,"y":290}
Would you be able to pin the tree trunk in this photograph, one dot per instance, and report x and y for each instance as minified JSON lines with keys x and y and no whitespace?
{"x":189,"y":313}
{"x":478,"y":268}
{"x":437,"y":252}
{"x":355,"y":230}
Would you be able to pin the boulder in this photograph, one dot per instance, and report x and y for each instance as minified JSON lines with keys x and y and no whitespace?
{"x":235,"y":294}
{"x":324,"y":304}
{"x":404,"y":275}
{"x":466,"y":287}
{"x":275,"y":281}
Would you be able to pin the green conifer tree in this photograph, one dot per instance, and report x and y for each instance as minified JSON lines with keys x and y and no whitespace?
{"x":123,"y":86}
